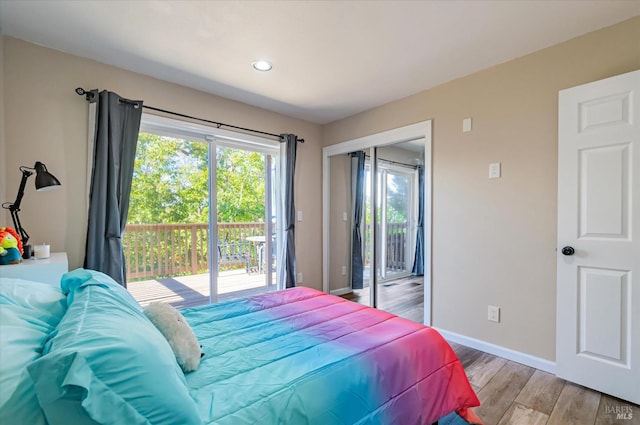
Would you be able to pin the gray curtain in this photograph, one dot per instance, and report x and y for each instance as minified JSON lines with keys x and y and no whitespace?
{"x":418,"y":262}
{"x":117,"y":124}
{"x":287,"y":262}
{"x":357,"y":185}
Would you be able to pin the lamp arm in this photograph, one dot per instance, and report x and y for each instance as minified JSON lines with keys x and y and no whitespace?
{"x":24,"y":236}
{"x":15,"y":207}
{"x":23,"y":183}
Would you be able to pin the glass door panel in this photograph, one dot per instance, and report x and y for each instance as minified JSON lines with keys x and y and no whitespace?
{"x":166,"y":240}
{"x":396,"y":209}
{"x":245,"y":222}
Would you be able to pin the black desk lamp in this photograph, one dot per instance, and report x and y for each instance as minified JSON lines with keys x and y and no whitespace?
{"x":44,"y":181}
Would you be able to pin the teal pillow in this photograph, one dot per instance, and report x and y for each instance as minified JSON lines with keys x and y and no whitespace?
{"x":29,"y":312}
{"x":106,"y":362}
{"x":81,"y":278}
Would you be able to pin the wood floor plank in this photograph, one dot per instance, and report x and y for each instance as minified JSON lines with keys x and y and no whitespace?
{"x":403,"y":297}
{"x":522,"y":415}
{"x":496,"y":397}
{"x":613,"y":411}
{"x":576,"y":405}
{"x":483,"y":369}
{"x":541,"y":392}
{"x":467,"y":355}
{"x":454,"y":345}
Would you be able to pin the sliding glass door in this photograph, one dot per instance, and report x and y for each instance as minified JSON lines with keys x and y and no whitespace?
{"x":202,"y":219}
{"x":396,"y":217}
{"x":396,"y":204}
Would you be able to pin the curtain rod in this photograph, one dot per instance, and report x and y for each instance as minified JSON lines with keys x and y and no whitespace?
{"x":89,"y":95}
{"x":392,"y":162}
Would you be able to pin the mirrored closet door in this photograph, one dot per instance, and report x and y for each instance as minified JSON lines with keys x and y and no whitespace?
{"x":374,"y":201}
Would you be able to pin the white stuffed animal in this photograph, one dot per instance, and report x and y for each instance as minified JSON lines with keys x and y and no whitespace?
{"x":177,"y":332}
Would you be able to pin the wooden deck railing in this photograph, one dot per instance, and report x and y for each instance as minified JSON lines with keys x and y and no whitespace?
{"x":157,"y":250}
{"x":396,"y":246}
{"x":161,"y":250}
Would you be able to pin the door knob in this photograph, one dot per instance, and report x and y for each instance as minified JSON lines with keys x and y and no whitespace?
{"x":568,"y":250}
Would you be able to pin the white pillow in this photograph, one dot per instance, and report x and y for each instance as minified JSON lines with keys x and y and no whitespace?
{"x":178,"y":333}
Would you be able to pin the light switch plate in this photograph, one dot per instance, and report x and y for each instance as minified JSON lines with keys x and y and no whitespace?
{"x":466,"y":125}
{"x":494,"y":170}
{"x":493,"y":314}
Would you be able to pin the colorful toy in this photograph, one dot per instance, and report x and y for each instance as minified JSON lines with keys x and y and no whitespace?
{"x":10,"y":246}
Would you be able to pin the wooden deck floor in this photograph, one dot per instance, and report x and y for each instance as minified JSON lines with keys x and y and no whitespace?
{"x":193,"y":290}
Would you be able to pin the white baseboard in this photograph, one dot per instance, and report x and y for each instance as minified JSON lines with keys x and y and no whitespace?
{"x":497,"y":350}
{"x":341,"y":291}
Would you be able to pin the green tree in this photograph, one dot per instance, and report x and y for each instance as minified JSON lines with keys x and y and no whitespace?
{"x":240,"y":182}
{"x":171,"y":182}
{"x":397,"y":194}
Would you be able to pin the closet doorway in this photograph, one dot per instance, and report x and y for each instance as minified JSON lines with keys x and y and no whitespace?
{"x":376,"y":212}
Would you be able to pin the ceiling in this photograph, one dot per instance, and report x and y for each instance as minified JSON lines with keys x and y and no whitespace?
{"x":331,"y":59}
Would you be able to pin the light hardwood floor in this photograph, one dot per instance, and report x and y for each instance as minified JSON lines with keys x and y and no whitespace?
{"x":511,"y":393}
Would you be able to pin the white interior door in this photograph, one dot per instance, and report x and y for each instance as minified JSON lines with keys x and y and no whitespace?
{"x":598,"y":286}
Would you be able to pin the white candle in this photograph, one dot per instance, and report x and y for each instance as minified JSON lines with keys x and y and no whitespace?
{"x":41,"y":251}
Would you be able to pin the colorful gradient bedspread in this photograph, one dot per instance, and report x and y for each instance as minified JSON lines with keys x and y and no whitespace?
{"x":301,"y":356}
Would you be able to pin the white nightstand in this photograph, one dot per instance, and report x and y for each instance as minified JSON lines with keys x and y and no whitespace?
{"x":49,"y":270}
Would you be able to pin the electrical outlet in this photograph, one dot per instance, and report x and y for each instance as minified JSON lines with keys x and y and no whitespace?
{"x":494,"y":314}
{"x":344,"y":270}
{"x":299,"y":277}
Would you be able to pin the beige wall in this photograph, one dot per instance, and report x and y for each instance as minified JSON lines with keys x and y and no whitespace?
{"x":46,"y":121}
{"x":494,"y":241}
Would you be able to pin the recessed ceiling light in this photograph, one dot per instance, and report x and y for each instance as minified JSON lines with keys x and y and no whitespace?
{"x":261,"y":65}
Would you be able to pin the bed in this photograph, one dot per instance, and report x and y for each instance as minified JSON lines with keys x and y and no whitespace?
{"x":85,"y":353}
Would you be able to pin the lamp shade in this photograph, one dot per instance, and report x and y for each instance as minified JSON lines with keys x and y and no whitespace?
{"x":44,"y":179}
